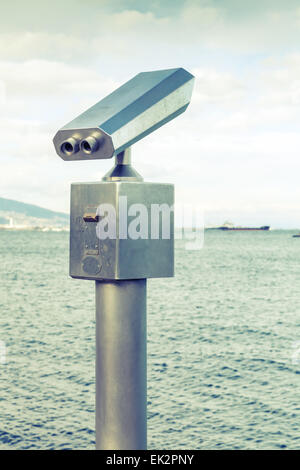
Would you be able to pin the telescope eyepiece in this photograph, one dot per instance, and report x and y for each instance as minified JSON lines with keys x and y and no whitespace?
{"x":69,"y":146}
{"x":89,"y":145}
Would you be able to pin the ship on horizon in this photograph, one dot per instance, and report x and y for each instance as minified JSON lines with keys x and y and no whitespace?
{"x":230,"y":226}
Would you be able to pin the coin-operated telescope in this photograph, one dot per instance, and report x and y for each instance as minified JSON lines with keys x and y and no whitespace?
{"x":121,"y":233}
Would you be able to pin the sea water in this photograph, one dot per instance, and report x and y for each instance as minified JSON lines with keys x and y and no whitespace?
{"x":223,"y":345}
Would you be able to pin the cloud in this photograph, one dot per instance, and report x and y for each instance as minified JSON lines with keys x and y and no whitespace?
{"x":95,"y":33}
{"x":226,"y":144}
{"x":38,"y":77}
{"x":50,"y":91}
{"x":235,"y":147}
{"x":281,"y":80}
{"x":26,"y":45}
{"x":2,"y":93}
{"x":213,"y":86}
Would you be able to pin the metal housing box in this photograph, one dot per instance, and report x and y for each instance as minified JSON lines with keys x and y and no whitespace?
{"x":119,"y":257}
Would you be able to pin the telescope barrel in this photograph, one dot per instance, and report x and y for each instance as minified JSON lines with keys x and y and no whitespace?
{"x":137,"y":108}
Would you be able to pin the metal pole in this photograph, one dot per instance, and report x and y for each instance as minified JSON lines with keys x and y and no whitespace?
{"x":121,"y":365}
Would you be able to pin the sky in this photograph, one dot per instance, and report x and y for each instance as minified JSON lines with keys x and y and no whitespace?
{"x":234,"y":154}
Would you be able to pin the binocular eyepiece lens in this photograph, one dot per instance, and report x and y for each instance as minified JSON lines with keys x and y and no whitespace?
{"x":86,"y":146}
{"x":89,"y":145}
{"x":69,"y":146}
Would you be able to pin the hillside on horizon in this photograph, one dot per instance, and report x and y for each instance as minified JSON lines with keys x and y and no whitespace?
{"x":11,"y":207}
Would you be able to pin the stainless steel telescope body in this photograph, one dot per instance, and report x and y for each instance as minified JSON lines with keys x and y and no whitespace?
{"x":121,"y":233}
{"x":137,"y":108}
